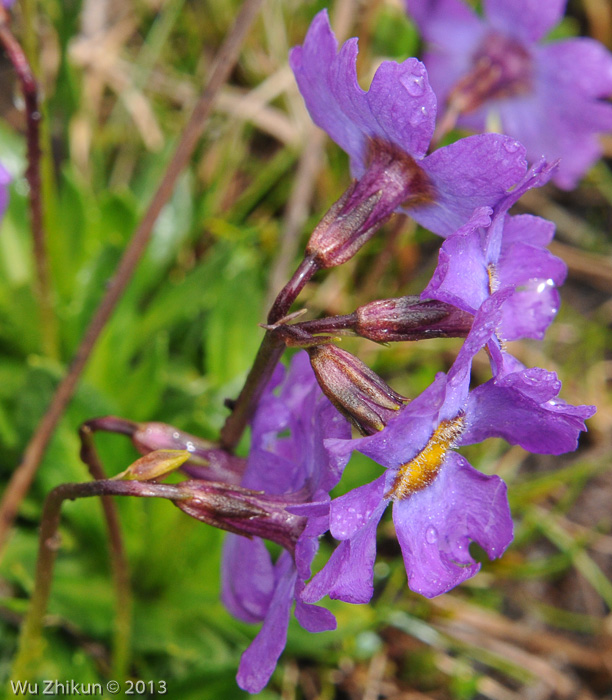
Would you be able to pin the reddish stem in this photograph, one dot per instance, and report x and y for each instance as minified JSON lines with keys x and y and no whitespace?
{"x":22,"y":477}
{"x":29,"y":87}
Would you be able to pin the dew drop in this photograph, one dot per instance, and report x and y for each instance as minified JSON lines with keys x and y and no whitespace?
{"x":414,"y":84}
{"x":431,"y":535}
{"x":511,"y":146}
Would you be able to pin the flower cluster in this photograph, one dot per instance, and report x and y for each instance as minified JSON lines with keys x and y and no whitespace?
{"x":495,"y":282}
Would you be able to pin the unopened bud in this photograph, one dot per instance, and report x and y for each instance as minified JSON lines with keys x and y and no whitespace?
{"x":206,"y":460}
{"x":354,"y":389}
{"x":410,"y":318}
{"x":155,"y":465}
{"x":244,"y":512}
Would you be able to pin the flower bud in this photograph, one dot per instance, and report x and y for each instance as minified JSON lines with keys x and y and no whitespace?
{"x":244,"y":512}
{"x":354,"y":389}
{"x":206,"y":460}
{"x":155,"y":465}
{"x":410,"y":318}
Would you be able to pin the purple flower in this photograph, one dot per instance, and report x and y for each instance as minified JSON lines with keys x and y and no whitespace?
{"x":495,"y":251}
{"x":440,"y":503}
{"x":494,"y":73}
{"x":387,"y":130}
{"x":5,"y":180}
{"x":300,"y":469}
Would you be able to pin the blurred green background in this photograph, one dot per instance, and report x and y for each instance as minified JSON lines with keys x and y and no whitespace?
{"x":119,"y":79}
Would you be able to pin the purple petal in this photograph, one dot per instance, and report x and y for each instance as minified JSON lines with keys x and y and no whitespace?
{"x":328,"y":464}
{"x":273,"y":414}
{"x":525,"y":228}
{"x":247,"y":578}
{"x":311,"y":65}
{"x":470,"y":173}
{"x":439,"y":20}
{"x":530,"y":310}
{"x":299,"y":383}
{"x":349,"y":573}
{"x":445,"y":67}
{"x":483,"y":328}
{"x":270,"y":473}
{"x":461,"y":277}
{"x":399,"y":108}
{"x":402,"y":106}
{"x":5,"y":180}
{"x":351,"y":512}
{"x":566,"y":95}
{"x":308,"y":542}
{"x":435,"y":526}
{"x":313,"y":617}
{"x":527,"y":20}
{"x":413,"y":425}
{"x":521,"y":408}
{"x":259,"y":661}
{"x":582,"y":65}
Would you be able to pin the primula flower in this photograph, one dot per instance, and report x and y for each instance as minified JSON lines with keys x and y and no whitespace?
{"x":298,"y":468}
{"x":5,"y":180}
{"x":495,"y":251}
{"x":440,"y":502}
{"x":387,"y":130}
{"x":495,"y":73}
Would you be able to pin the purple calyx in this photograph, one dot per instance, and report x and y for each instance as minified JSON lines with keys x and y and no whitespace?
{"x":392,"y":179}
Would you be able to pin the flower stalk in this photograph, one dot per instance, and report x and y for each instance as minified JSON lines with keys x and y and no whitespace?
{"x":29,"y":88}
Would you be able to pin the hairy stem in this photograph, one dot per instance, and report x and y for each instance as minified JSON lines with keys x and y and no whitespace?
{"x":25,"y":472}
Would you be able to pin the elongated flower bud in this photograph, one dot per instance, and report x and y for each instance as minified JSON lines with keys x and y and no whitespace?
{"x":410,"y":318}
{"x":206,"y":460}
{"x":244,"y":512}
{"x":354,"y":389}
{"x":155,"y":465}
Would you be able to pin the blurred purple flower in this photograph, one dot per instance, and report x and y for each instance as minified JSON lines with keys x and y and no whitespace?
{"x":496,"y":251}
{"x":387,"y":130}
{"x":300,"y":469}
{"x":5,"y":180}
{"x":495,"y":73}
{"x":440,"y":503}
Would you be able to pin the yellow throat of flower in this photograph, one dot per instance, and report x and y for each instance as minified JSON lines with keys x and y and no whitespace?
{"x":421,"y":470}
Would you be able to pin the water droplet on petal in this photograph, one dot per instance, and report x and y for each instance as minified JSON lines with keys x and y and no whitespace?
{"x":431,"y":535}
{"x":414,"y":84}
{"x":511,"y":146}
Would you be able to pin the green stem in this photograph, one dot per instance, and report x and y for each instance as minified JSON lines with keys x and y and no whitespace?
{"x":29,"y":87}
{"x":31,"y":643}
{"x":119,"y":563}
